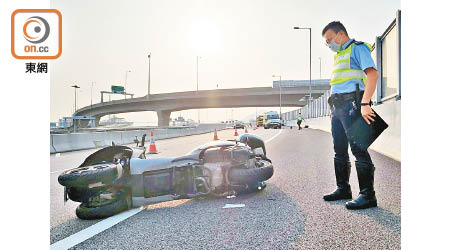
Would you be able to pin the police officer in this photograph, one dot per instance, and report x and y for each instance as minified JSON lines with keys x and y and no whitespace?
{"x":299,"y":120}
{"x":353,"y":69}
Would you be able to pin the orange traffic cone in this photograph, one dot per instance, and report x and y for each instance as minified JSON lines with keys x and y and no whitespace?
{"x":215,"y":135}
{"x":235,"y":132}
{"x":152,"y":147}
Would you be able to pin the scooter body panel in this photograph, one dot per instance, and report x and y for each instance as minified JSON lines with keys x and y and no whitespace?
{"x":150,"y":178}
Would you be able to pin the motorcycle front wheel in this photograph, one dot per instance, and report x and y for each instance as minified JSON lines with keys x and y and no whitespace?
{"x":81,"y":177}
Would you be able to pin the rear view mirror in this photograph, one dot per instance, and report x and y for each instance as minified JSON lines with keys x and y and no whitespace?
{"x":253,"y":141}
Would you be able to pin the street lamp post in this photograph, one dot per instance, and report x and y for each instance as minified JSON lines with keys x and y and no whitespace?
{"x":198,"y":110}
{"x":75,"y":87}
{"x":256,"y":116}
{"x":125,"y":87}
{"x":148,"y":92}
{"x":310,"y":81}
{"x":320,"y":68}
{"x":92,"y":85}
{"x":280,"y":91}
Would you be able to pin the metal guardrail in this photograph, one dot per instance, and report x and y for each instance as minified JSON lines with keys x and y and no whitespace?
{"x":319,"y":107}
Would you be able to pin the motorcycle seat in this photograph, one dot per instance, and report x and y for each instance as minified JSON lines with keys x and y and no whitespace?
{"x":139,"y":166}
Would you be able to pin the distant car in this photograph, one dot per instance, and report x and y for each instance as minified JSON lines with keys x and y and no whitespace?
{"x":260,"y":121}
{"x":239,"y":124}
{"x":273,"y":123}
{"x":272,"y":120}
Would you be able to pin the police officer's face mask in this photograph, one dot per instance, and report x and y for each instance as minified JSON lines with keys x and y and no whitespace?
{"x":336,"y":47}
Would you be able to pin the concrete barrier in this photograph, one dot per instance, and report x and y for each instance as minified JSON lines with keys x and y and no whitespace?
{"x":171,"y":133}
{"x":92,"y":140}
{"x":52,"y":148}
{"x":77,"y":141}
{"x":129,"y":136}
{"x":113,"y":136}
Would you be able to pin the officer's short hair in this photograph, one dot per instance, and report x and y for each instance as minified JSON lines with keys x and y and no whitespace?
{"x":336,"y":26}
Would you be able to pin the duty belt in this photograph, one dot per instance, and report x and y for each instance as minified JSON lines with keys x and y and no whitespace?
{"x":336,"y":98}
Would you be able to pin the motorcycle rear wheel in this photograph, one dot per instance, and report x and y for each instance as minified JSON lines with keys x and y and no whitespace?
{"x":83,"y":194}
{"x":85,"y":212}
{"x":250,"y":175}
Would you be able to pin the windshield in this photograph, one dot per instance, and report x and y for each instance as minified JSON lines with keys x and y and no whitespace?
{"x":274,"y":116}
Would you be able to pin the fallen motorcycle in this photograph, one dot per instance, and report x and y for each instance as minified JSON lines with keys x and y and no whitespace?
{"x":117,"y":178}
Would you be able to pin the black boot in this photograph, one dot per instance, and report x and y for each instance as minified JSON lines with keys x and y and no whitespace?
{"x":366,"y":197}
{"x":342,"y":172}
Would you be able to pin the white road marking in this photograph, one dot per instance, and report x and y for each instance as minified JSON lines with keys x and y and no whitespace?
{"x":95,"y":229}
{"x":59,"y":171}
{"x":273,"y":137}
{"x":233,"y":205}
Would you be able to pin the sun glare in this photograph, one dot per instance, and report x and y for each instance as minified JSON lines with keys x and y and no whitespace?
{"x":205,"y":37}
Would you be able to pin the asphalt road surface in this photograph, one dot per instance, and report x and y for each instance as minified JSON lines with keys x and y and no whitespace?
{"x":289,"y":214}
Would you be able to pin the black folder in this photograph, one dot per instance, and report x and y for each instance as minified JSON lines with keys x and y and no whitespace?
{"x":364,"y":134}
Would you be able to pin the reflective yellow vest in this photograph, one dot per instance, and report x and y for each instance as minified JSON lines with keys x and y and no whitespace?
{"x":342,"y":71}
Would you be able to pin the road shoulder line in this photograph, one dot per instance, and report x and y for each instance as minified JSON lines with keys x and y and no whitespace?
{"x":93,"y":230}
{"x":273,"y":137}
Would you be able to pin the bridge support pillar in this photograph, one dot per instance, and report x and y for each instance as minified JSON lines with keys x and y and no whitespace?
{"x":82,"y":124}
{"x":97,"y":121}
{"x":163,"y":118}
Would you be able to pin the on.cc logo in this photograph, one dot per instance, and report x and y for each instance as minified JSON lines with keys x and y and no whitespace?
{"x":36,"y":29}
{"x":36,"y":34}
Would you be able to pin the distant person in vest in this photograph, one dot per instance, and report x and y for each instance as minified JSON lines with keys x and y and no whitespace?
{"x":299,"y":120}
{"x":353,"y":65}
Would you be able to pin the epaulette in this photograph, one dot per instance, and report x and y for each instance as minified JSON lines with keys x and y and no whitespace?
{"x":359,"y":42}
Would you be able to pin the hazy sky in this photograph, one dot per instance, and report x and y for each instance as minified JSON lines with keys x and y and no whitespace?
{"x":242,"y":44}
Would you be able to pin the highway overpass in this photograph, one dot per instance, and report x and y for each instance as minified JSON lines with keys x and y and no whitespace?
{"x":166,"y":103}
